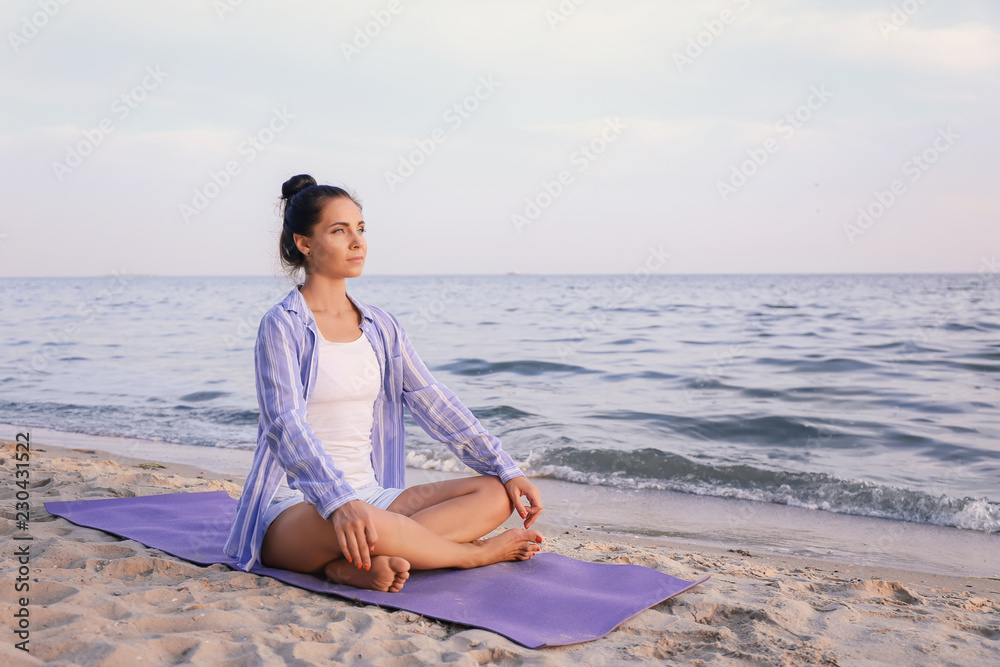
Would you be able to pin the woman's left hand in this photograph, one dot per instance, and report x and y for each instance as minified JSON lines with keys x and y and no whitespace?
{"x":520,"y":486}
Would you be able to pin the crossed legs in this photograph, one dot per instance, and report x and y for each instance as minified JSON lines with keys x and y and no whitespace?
{"x":427,"y":527}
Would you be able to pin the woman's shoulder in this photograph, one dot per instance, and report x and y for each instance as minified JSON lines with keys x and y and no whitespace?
{"x":281,"y":317}
{"x":381,"y":313}
{"x":386,"y":321}
{"x":278,"y":313}
{"x":380,"y":316}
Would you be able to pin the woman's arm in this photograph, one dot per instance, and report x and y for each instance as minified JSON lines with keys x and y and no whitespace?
{"x":442,"y":415}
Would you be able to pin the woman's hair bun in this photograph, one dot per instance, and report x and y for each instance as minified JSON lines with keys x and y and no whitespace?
{"x":296,"y":184}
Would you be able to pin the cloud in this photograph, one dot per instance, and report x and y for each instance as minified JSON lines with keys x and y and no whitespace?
{"x":873,"y":39}
{"x":970,"y":47}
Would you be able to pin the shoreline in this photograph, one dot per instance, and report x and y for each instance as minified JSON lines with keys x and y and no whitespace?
{"x":100,"y":599}
{"x":661,"y":518}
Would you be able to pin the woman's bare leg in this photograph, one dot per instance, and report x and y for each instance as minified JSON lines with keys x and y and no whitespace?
{"x":301,"y":541}
{"x":460,"y":510}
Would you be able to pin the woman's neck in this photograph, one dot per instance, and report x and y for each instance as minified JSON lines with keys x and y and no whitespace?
{"x":327,"y":295}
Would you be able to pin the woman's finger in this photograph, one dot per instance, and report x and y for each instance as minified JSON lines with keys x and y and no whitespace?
{"x":532,"y":515}
{"x":364,"y":547}
{"x":372,"y":534}
{"x":353,"y":553}
{"x":515,"y":496}
{"x":535,"y":500}
{"x":342,"y":541}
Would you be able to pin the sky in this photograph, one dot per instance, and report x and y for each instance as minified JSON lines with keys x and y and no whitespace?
{"x":565,"y":137}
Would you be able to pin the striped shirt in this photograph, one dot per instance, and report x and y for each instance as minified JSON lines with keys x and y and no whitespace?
{"x":286,"y":361}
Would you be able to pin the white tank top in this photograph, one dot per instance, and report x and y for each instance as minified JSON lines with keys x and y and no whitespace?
{"x":341,"y":408}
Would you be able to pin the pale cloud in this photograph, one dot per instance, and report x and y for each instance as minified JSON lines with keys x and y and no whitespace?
{"x":970,"y":47}
{"x":870,"y":38}
{"x":515,"y":36}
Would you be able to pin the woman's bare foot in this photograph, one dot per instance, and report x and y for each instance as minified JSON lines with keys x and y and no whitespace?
{"x":513,"y":544}
{"x":387,"y":573}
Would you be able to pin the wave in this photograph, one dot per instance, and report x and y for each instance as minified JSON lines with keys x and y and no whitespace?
{"x":651,"y":469}
{"x":202,"y":396}
{"x":833,"y":365}
{"x":520,"y":367}
{"x":639,"y":375}
{"x":195,"y":424}
{"x":770,"y":430}
{"x":975,"y":326}
{"x":504,"y":413}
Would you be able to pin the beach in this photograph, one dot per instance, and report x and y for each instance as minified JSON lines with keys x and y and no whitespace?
{"x":722,"y":282}
{"x":96,"y":599}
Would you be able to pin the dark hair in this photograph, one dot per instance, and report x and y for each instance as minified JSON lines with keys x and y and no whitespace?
{"x":302,"y":202}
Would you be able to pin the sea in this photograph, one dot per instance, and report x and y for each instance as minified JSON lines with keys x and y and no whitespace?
{"x":872,"y":396}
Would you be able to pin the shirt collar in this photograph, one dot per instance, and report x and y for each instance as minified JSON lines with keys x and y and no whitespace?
{"x":296,"y":303}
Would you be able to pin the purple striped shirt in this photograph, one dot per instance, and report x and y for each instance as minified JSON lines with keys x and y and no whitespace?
{"x":286,"y":362}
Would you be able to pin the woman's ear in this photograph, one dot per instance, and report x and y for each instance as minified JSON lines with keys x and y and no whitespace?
{"x":302,"y":243}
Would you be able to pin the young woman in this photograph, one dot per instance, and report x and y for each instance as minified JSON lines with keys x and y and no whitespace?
{"x":325,"y":492}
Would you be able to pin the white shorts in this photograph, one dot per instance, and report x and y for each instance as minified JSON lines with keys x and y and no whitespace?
{"x":373,"y":494}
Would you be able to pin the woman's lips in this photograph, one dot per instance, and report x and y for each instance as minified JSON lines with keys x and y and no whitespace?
{"x":356,"y":259}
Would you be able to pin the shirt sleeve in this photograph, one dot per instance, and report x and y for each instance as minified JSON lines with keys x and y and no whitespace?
{"x":281,"y":397}
{"x":442,"y":415}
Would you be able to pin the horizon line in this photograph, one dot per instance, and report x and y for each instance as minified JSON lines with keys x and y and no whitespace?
{"x":508,"y":273}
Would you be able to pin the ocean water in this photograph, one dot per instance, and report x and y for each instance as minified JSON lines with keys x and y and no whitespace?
{"x":872,"y":395}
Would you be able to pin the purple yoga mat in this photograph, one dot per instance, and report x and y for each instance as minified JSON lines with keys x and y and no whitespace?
{"x":549,"y":600}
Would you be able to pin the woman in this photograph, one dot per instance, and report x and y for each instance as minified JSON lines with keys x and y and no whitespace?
{"x":325,"y":492}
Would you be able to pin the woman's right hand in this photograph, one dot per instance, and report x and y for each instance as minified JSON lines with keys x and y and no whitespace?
{"x":355,"y":532}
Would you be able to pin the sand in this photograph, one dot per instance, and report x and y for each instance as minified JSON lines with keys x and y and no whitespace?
{"x":96,"y":599}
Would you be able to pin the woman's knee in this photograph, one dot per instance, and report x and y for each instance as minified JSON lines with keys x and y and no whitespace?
{"x":298,"y":540}
{"x":496,"y":497}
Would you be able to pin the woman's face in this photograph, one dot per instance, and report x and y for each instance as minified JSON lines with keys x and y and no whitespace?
{"x":337,"y":247}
